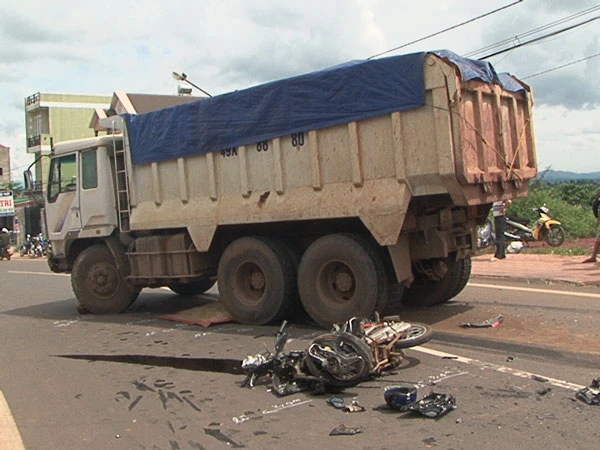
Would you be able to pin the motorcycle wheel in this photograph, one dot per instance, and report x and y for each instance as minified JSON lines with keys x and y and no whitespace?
{"x":555,"y":236}
{"x":348,"y":347}
{"x":418,"y":334}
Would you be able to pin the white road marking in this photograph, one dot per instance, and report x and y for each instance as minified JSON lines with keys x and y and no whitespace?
{"x":10,"y":438}
{"x":540,"y":291}
{"x":502,"y":369}
{"x":24,"y":272}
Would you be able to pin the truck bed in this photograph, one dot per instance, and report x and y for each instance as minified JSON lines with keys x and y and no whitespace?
{"x":400,"y":128}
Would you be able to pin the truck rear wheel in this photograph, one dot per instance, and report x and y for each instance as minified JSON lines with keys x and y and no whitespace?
{"x":98,"y":284}
{"x":460,"y":277}
{"x":257,"y":280}
{"x":428,"y":291}
{"x":341,"y":276}
{"x":193,"y":288}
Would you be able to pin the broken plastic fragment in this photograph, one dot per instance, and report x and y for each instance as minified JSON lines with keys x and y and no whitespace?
{"x":590,"y":394}
{"x":354,"y":407}
{"x":490,"y":323}
{"x":434,"y":405}
{"x":337,"y":402}
{"x":342,"y":429}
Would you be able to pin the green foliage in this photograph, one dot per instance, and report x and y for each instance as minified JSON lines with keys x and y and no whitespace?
{"x":571,"y":203}
{"x":14,"y":186}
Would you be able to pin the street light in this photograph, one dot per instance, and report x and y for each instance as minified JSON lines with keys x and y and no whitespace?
{"x":183,"y":77}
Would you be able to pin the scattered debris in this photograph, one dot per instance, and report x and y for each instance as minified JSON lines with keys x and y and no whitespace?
{"x":354,"y":407}
{"x":343,"y":430}
{"x":538,"y":378}
{"x":404,"y":399}
{"x":286,"y":405}
{"x":490,"y":323}
{"x":543,"y":391}
{"x":446,"y":377}
{"x":435,"y":405}
{"x":337,"y":402}
{"x":590,"y":394}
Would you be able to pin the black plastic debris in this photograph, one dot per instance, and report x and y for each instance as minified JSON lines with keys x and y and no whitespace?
{"x":434,"y":405}
{"x":343,"y":430}
{"x":590,"y":394}
{"x":543,"y":391}
{"x":490,"y":323}
{"x":404,"y":399}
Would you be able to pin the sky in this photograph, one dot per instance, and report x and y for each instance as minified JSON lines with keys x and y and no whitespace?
{"x":91,"y":47}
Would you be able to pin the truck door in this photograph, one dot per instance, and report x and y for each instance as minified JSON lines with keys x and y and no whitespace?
{"x":62,"y":198}
{"x":96,"y":192}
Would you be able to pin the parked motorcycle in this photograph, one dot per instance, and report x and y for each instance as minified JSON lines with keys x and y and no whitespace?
{"x":544,"y":229}
{"x":485,"y":235}
{"x":351,"y":353}
{"x":517,"y":230}
{"x":25,"y":246}
{"x":4,"y":253}
{"x":35,"y":246}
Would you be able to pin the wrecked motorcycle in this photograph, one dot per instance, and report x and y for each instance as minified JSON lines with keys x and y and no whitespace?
{"x":351,"y":353}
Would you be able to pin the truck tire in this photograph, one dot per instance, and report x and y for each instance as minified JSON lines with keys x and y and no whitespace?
{"x":257,"y":280}
{"x":98,"y":284}
{"x":342,"y":276}
{"x":428,"y":292}
{"x":193,"y":288}
{"x":460,"y":277}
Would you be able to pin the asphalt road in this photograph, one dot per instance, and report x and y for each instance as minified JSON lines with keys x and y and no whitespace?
{"x":135,"y":381}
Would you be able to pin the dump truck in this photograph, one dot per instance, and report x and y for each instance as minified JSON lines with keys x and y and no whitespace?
{"x":337,"y":193}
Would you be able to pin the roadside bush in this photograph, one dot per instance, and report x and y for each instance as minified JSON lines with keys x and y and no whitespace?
{"x":571,"y":203}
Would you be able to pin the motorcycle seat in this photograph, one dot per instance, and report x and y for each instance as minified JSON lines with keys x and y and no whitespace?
{"x":521,"y":220}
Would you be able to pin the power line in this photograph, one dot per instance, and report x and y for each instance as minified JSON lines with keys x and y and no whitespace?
{"x":531,"y":32}
{"x":545,"y":36}
{"x":560,"y":67}
{"x":445,"y":29}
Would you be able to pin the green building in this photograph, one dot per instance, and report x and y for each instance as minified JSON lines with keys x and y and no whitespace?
{"x":51,"y":118}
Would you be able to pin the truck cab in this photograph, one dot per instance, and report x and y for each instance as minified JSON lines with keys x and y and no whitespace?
{"x":80,"y":201}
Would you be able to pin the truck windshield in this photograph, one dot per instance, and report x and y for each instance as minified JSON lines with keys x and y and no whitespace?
{"x":62,"y":177}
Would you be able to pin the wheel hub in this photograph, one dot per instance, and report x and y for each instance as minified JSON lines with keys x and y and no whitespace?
{"x":257,"y":281}
{"x":102,"y":279}
{"x":343,"y":281}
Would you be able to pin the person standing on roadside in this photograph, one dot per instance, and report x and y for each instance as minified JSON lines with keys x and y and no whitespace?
{"x":499,"y":211}
{"x":595,"y":210}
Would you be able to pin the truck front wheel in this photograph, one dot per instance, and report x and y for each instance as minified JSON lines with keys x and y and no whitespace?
{"x":98,"y":284}
{"x":257,"y":280}
{"x":341,"y":276}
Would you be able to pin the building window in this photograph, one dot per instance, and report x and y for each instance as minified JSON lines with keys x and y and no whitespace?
{"x":1,"y":171}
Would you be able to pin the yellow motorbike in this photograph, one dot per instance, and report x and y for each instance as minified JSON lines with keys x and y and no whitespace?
{"x":545,"y":228}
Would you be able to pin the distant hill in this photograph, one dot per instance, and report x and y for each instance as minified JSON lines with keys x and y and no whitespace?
{"x":563,"y":176}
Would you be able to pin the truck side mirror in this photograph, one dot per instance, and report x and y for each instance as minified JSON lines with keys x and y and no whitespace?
{"x":28,"y":178}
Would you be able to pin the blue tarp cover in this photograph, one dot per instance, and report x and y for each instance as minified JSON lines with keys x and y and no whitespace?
{"x":349,"y":92}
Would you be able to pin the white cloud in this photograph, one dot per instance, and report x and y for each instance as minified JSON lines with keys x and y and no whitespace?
{"x":99,"y":47}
